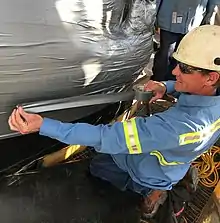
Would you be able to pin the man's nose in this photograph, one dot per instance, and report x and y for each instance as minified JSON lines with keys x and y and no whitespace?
{"x":176,"y":70}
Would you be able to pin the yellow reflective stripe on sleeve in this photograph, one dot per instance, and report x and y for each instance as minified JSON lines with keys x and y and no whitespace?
{"x":125,"y":125}
{"x":162,"y":160}
{"x":136,"y":136}
{"x":194,"y":137}
{"x":189,"y":138}
{"x":131,"y":137}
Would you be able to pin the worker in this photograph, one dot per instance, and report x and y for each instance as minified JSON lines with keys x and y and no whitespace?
{"x":175,"y":19}
{"x":216,"y":16}
{"x":151,"y":154}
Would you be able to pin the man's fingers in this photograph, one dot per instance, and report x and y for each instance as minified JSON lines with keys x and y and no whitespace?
{"x":16,"y":122}
{"x":19,"y":119}
{"x":23,"y":125}
{"x":13,"y":120}
{"x":24,"y":114}
{"x":149,"y":85}
{"x":153,"y":99}
{"x":12,"y":127}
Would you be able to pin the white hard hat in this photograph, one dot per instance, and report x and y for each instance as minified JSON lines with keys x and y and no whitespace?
{"x":200,"y":48}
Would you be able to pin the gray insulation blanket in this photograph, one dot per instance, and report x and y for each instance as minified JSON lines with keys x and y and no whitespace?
{"x":52,"y":49}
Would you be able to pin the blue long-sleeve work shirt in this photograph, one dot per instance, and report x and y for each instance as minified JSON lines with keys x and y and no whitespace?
{"x":182,"y":16}
{"x":156,"y":151}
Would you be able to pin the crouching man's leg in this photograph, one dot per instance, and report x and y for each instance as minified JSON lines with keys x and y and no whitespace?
{"x":151,"y":203}
{"x":104,"y":167}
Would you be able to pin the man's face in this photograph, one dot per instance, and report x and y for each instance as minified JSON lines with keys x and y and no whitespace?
{"x":189,"y":80}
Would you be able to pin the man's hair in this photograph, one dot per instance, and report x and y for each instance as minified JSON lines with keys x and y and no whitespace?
{"x":207,"y":72}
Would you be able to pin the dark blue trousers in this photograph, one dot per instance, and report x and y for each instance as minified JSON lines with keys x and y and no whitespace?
{"x":104,"y":167}
{"x":164,"y":63}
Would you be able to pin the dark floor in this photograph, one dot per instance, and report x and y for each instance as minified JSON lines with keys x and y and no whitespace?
{"x":61,"y":194}
{"x":65,"y":193}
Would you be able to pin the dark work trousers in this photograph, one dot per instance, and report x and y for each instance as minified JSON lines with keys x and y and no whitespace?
{"x":104,"y":167}
{"x":163,"y":61}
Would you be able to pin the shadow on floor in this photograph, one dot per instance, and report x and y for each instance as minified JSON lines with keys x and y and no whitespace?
{"x":66,"y":194}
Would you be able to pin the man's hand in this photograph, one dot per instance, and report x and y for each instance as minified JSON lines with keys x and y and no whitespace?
{"x":24,"y":122}
{"x":158,"y":88}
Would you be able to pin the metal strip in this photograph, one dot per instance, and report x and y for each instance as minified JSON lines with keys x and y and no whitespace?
{"x":78,"y":101}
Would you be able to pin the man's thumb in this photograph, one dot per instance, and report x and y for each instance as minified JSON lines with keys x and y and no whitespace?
{"x":153,"y":99}
{"x":22,"y":112}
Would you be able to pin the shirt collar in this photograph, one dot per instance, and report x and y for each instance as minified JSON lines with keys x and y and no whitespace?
{"x":199,"y":100}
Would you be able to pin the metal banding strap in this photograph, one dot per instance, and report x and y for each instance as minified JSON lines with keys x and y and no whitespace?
{"x":77,"y":101}
{"x":131,"y":136}
{"x":162,"y":160}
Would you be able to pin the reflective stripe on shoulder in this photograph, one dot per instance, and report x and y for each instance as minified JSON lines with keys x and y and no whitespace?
{"x":162,"y":160}
{"x":131,"y":136}
{"x":194,"y":137}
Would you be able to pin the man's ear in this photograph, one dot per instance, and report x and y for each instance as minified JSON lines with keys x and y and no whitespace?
{"x":212,"y":79}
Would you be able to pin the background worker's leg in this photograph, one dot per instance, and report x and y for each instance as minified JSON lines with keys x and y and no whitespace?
{"x":104,"y":167}
{"x":163,"y":61}
{"x":217,"y":16}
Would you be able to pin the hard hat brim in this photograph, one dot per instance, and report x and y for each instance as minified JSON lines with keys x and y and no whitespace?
{"x":181,"y":60}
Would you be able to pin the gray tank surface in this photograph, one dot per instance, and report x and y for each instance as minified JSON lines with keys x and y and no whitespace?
{"x":53,"y":49}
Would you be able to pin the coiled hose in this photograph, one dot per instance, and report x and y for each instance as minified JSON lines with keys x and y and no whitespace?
{"x":208,"y":166}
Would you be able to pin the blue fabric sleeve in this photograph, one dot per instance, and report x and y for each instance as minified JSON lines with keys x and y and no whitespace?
{"x":104,"y":138}
{"x":80,"y":133}
{"x":170,"y":86}
{"x":111,"y":138}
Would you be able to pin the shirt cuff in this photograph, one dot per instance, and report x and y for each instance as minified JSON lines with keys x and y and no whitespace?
{"x":49,"y":127}
{"x":169,"y":86}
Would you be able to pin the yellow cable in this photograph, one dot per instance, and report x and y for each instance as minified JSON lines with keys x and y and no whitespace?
{"x":208,"y":168}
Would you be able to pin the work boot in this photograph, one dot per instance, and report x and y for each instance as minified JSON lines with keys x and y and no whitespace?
{"x":151,"y":203}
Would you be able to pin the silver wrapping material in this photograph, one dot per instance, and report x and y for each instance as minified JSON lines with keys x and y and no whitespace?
{"x":51,"y":49}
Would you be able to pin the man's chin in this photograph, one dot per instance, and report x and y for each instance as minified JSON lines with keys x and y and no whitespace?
{"x":177,"y":87}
